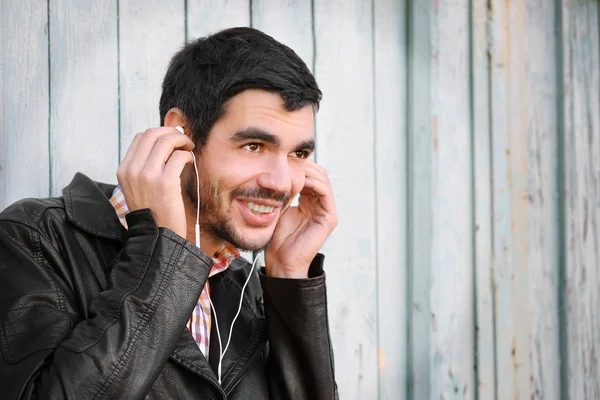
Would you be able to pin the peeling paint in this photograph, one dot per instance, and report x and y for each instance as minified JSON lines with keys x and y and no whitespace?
{"x":381,"y":358}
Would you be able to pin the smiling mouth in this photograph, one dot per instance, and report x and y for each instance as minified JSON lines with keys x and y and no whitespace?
{"x":259,"y":208}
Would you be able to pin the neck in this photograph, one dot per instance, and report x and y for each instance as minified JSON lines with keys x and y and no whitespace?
{"x":207,"y":243}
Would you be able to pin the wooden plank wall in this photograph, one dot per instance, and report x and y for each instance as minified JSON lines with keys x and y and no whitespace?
{"x":462,"y":139}
{"x":581,"y":168}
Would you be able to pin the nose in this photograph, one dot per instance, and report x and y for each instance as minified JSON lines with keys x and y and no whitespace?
{"x":276,"y":176}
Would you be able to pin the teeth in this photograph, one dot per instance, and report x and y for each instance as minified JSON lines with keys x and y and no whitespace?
{"x":260,"y":208}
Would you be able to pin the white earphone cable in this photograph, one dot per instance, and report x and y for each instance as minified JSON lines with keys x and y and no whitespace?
{"x":197,"y":227}
{"x":214,"y":312}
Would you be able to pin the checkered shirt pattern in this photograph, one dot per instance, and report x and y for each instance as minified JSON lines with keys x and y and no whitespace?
{"x":201,"y":319}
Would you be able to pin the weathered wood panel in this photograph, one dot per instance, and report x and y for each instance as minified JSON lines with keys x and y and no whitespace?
{"x":345,"y":142}
{"x":420,"y":181}
{"x":581,"y":75}
{"x":84,"y":97}
{"x":409,"y":146}
{"x":452,"y":294}
{"x":289,"y":22}
{"x":540,"y":95}
{"x":204,"y":17}
{"x":24,"y":165}
{"x":149,"y":34}
{"x":209,"y":16}
{"x":390,"y":47}
{"x":510,"y":200}
{"x":485,"y":362}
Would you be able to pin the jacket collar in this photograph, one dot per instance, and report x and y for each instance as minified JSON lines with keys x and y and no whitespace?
{"x":87,"y":207}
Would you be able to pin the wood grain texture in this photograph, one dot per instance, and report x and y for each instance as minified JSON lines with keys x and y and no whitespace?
{"x":452,"y":294}
{"x":482,"y":204}
{"x":204,"y":17}
{"x":149,"y":34}
{"x":390,"y":47}
{"x":582,"y":184}
{"x":420,"y":181}
{"x":345,"y":143}
{"x":510,"y":200}
{"x":430,"y":175}
{"x":24,"y":166}
{"x":289,"y":22}
{"x":209,"y":16}
{"x":84,"y":91}
{"x":541,"y":128}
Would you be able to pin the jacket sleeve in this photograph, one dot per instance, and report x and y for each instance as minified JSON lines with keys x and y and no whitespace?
{"x":300,"y":362}
{"x":131,"y":328}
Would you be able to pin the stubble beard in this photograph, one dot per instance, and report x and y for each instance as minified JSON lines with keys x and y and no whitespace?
{"x":215,"y":220}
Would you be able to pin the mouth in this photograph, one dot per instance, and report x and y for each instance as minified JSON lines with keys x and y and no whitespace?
{"x":258,"y":212}
{"x":259,"y":208}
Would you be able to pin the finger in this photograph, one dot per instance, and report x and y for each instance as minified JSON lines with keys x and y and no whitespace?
{"x":164,"y":147}
{"x":132,"y":148}
{"x":323,"y":192}
{"x":178,"y":160}
{"x":311,"y":164}
{"x":148,"y":141}
{"x":123,"y":170}
{"x":316,"y":171}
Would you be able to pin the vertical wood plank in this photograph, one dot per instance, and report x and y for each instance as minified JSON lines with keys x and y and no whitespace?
{"x":420,"y":181}
{"x":390,"y":47}
{"x":149,"y":34}
{"x":24,"y":167}
{"x":84,"y":91}
{"x":204,"y":17}
{"x":510,"y":199}
{"x":209,"y":16}
{"x":485,"y":359}
{"x":582,"y":177}
{"x":540,"y":102}
{"x":288,"y":22}
{"x":345,"y":144}
{"x":452,"y":296}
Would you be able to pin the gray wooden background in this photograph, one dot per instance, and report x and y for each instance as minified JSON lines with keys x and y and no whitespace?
{"x":462,"y":138}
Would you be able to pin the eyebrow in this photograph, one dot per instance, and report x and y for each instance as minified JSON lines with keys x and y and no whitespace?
{"x":264,"y":136}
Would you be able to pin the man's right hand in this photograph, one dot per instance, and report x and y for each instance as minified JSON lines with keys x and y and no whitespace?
{"x":150,"y":175}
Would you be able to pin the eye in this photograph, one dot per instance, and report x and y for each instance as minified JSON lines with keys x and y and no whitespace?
{"x":253,"y":147}
{"x":301,"y":154}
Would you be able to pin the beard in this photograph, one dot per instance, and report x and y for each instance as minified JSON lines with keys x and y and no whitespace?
{"x":215,"y":210}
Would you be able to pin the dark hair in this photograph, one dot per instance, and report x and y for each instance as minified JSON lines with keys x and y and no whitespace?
{"x":209,"y":71}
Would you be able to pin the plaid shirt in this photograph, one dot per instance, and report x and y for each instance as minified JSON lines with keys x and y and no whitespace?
{"x":199,"y":323}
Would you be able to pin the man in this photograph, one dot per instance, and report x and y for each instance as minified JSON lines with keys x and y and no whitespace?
{"x":103,"y":292}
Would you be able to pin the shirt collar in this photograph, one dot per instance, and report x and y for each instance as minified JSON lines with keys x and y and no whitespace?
{"x":222,"y":258}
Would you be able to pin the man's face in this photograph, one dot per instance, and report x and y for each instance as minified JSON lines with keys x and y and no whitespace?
{"x":251,"y":168}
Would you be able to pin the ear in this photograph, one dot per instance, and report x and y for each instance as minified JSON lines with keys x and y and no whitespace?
{"x":175,"y":117}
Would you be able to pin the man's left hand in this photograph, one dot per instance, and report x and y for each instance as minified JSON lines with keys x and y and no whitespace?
{"x":302,"y":230}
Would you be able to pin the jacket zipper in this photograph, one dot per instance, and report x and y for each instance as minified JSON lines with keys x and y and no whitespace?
{"x":208,"y":378}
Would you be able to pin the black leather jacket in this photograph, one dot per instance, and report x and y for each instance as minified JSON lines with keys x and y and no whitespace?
{"x":91,"y":311}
